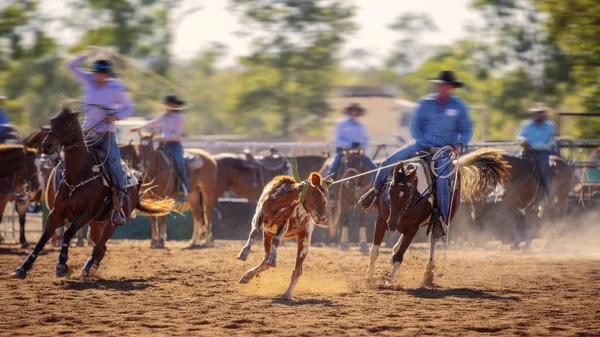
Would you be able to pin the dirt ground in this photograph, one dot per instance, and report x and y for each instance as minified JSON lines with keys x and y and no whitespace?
{"x":178,"y":292}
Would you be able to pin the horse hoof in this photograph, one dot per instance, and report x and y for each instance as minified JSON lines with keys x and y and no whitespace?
{"x":19,"y":273}
{"x":243,"y":255}
{"x":428,"y":279}
{"x":287,"y":297}
{"x":244,"y":280}
{"x":363,"y":248}
{"x":160,"y":243}
{"x":195,"y":246}
{"x":79,"y":243}
{"x":153,"y":243}
{"x":62,"y":270}
{"x":83,"y":274}
{"x":24,"y":244}
{"x":272,"y":261}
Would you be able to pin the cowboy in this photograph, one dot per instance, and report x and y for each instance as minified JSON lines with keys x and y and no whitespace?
{"x":105,"y":101}
{"x":5,"y":124}
{"x":350,"y":133}
{"x":537,"y":135}
{"x":171,"y":123}
{"x":440,"y":119}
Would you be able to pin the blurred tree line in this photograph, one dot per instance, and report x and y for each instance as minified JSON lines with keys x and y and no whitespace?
{"x":527,"y":51}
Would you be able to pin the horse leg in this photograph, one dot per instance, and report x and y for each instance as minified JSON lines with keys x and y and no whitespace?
{"x":194,"y":201}
{"x":268,"y":244}
{"x":303,"y":241}
{"x":22,"y":210}
{"x":80,"y":241}
{"x":54,"y":220}
{"x":398,"y":257}
{"x":380,"y":227}
{"x":95,"y":230}
{"x":344,"y":238}
{"x":162,"y":237}
{"x":107,"y":231}
{"x":428,"y":275}
{"x":62,"y":269}
{"x":154,"y":227}
{"x":272,"y":259}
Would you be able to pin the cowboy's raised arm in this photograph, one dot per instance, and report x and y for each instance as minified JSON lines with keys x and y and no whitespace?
{"x":83,"y":77}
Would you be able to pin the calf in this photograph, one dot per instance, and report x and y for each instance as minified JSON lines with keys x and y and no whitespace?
{"x":286,"y":209}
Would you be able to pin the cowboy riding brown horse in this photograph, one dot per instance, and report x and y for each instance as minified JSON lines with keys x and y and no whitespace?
{"x":82,"y":196}
{"x":408,"y":203}
{"x":159,"y":169}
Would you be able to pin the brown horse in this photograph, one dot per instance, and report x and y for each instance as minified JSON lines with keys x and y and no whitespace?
{"x":408,"y":203}
{"x":81,"y":197}
{"x":18,"y":181}
{"x":286,"y":210}
{"x":523,"y":190}
{"x":159,"y":170}
{"x":346,"y":195}
{"x":245,"y":175}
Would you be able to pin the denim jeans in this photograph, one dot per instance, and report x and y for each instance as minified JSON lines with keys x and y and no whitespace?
{"x":337,"y":161}
{"x":177,"y":152}
{"x":543,"y":158}
{"x":443,"y":188}
{"x":109,"y":145}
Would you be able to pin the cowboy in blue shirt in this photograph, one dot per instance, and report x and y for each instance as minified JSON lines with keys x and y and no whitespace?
{"x":350,"y":133}
{"x":538,"y":136}
{"x":441,"y":119}
{"x":5,"y":125}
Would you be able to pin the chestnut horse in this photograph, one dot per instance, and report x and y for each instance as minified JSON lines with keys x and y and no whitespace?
{"x":159,"y":170}
{"x":408,"y":203}
{"x":81,"y":197}
{"x":18,"y":181}
{"x":286,"y":210}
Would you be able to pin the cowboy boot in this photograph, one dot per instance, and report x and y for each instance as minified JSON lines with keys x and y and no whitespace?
{"x":117,"y":216}
{"x":368,"y":201}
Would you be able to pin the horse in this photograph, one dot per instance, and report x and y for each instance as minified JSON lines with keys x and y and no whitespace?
{"x":246,"y":175}
{"x":346,"y":196}
{"x":523,"y":190}
{"x":18,"y":181}
{"x":286,"y":210}
{"x":159,"y":169}
{"x":408,"y":203}
{"x":81,"y":197}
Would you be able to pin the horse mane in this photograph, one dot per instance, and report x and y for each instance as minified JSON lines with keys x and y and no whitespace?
{"x":281,"y":180}
{"x":481,"y":171}
{"x":11,"y":156}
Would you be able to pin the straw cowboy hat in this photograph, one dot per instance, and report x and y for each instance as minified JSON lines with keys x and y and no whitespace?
{"x":3,"y":97}
{"x":356,"y":106}
{"x":538,"y":107}
{"x":447,"y":77}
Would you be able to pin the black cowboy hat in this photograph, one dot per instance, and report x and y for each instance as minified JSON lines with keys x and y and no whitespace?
{"x":173,"y":99}
{"x":355,"y":106}
{"x":447,"y":77}
{"x":103,"y":67}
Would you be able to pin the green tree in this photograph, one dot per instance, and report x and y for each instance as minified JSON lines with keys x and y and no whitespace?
{"x":290,"y":70}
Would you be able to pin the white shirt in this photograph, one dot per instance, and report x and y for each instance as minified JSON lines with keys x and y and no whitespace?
{"x":171,"y":124}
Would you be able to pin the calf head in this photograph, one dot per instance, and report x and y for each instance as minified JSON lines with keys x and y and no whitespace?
{"x":401,"y":193}
{"x":316,"y":197}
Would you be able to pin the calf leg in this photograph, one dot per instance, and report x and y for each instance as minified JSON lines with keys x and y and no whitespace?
{"x":428,"y":275}
{"x":272,"y":259}
{"x":267,"y":240}
{"x":303,"y":241}
{"x":243,"y":255}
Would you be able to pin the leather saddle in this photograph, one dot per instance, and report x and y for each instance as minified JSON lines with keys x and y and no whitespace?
{"x":272,"y":162}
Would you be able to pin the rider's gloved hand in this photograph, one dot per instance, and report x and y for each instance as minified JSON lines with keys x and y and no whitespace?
{"x":457,"y":149}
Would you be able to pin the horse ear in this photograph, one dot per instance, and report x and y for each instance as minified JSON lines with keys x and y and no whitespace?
{"x":131,"y":142}
{"x":398,"y":172}
{"x":152,"y":134}
{"x":315,"y":179}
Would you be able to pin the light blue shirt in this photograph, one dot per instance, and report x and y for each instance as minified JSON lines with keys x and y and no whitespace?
{"x":539,"y":135}
{"x":435,"y":124}
{"x":348,"y":131}
{"x":4,"y":117}
{"x":113,"y":95}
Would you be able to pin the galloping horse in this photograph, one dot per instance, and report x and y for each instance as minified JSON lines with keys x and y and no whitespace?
{"x":82,"y":197}
{"x":159,"y":170}
{"x":246,"y":177}
{"x":346,"y":195}
{"x":408,"y":203}
{"x":523,"y":190}
{"x":18,"y":181}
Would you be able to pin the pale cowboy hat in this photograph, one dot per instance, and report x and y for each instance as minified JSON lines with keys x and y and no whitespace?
{"x":357,"y":106}
{"x":447,"y":77}
{"x":538,"y":107}
{"x":3,"y":97}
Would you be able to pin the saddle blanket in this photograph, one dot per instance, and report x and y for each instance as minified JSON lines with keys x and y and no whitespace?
{"x":192,"y":161}
{"x":131,"y":177}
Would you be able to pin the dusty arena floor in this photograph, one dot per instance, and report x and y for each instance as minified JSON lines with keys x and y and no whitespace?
{"x":177,"y":292}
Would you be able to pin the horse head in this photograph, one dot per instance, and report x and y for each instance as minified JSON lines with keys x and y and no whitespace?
{"x":129,"y":153}
{"x":401,"y":193}
{"x":146,"y":149}
{"x":64,"y":130}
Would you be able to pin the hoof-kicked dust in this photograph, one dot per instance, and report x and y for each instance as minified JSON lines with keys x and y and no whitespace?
{"x":178,"y":292}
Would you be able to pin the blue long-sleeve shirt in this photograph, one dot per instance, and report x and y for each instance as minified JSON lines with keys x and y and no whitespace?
{"x":348,"y":131}
{"x":435,"y":124}
{"x":112,"y":95}
{"x":4,"y":117}
{"x":538,"y":135}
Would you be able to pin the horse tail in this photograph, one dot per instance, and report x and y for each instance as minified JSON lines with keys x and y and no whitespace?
{"x":480,"y":172}
{"x":156,"y":207}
